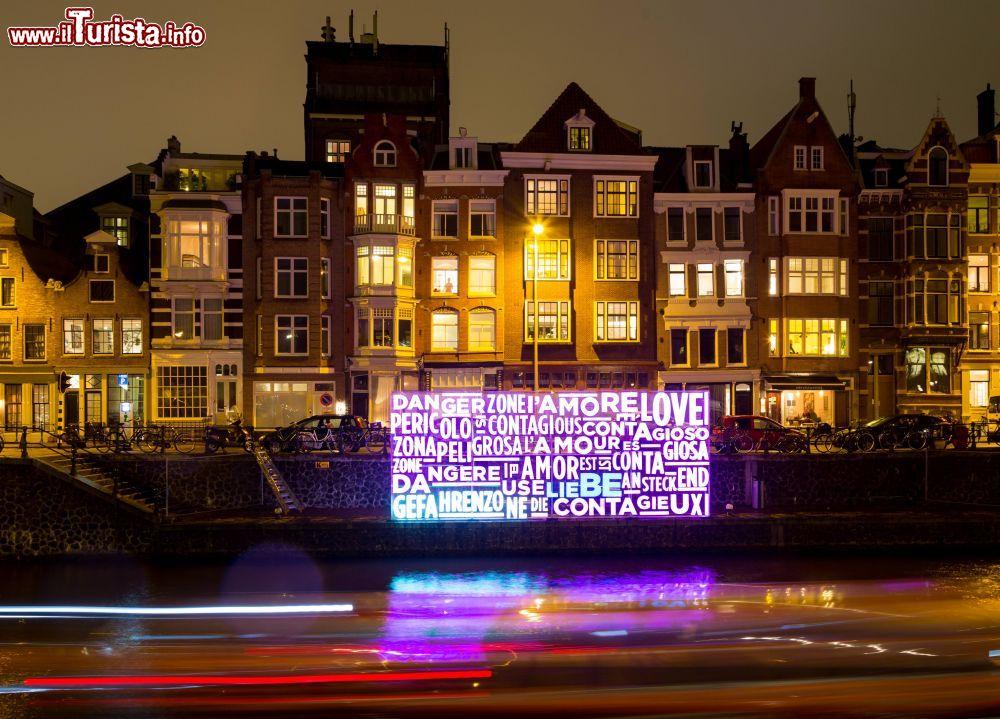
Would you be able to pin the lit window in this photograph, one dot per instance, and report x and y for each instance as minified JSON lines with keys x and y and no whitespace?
{"x":617,"y":322}
{"x":183,"y":318}
{"x":103,"y":336}
{"x":291,"y":277}
{"x":772,"y":337}
{"x":291,"y":217}
{"x":34,"y":342}
{"x":385,"y":154}
{"x":117,"y":227}
{"x":73,"y":337}
{"x":324,"y":278}
{"x":816,"y":276}
{"x":617,"y":259}
{"x":7,"y":297}
{"x":979,"y":330}
{"x":444,"y":275}
{"x":677,"y":275}
{"x":445,"y":219}
{"x":361,"y":200}
{"x":482,"y":330}
{"x":923,"y":376}
{"x":546,"y":197}
{"x":4,"y":257}
{"x":382,"y":327}
{"x":553,"y":321}
{"x":292,"y":334}
{"x":482,"y":276}
{"x":979,"y":387}
{"x":444,"y":331}
{"x":405,"y":323}
{"x":706,"y":279}
{"x":482,"y":218}
{"x":734,"y":277}
{"x":979,"y":273}
{"x":772,"y":277}
{"x":553,"y":259}
{"x":616,"y":198}
{"x":182,"y":392}
{"x":324,"y":218}
{"x":978,"y":214}
{"x":579,"y":139}
{"x":338,"y":150}
{"x":817,"y":337}
{"x":131,"y":336}
{"x":375,"y":265}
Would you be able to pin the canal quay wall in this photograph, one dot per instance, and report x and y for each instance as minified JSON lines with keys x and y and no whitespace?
{"x":219,"y":505}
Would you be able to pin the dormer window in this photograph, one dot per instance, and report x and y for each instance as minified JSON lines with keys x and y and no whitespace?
{"x":937,"y":167}
{"x":580,"y":132}
{"x":703,"y":174}
{"x":881,"y":178}
{"x":338,"y":150}
{"x":140,"y":185}
{"x":463,"y":157}
{"x":101,"y":264}
{"x":117,"y":227}
{"x":385,"y":154}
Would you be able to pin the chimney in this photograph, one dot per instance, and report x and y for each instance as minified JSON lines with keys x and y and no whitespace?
{"x":807,"y":87}
{"x":987,"y":102}
{"x":739,"y":151}
{"x":173,"y":145}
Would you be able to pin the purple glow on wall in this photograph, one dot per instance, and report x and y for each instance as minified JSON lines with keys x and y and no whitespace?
{"x":516,"y":455}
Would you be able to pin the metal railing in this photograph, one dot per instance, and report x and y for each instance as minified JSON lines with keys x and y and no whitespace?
{"x":391,"y":224}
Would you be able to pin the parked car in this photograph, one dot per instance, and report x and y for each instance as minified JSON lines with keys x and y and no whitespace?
{"x":901,"y":430}
{"x":745,"y":432}
{"x":321,"y":431}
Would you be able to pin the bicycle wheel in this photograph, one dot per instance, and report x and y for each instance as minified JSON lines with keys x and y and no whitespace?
{"x":183,"y":441}
{"x":149,"y":441}
{"x":866,"y":442}
{"x":743,"y":443}
{"x":917,"y":440}
{"x":823,"y":443}
{"x":887,"y":440}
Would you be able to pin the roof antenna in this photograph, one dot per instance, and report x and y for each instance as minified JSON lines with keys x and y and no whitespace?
{"x":350,"y":26}
{"x":852,"y":105}
{"x":375,"y":33}
{"x":447,"y":39}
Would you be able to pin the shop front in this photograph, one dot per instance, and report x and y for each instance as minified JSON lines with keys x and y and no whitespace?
{"x":729,"y":392}
{"x":284,"y":400}
{"x":806,"y":400}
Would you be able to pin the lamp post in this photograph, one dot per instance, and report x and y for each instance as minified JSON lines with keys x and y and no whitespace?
{"x":537,"y":229}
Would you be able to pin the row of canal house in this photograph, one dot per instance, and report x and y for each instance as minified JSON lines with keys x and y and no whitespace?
{"x":802,"y":275}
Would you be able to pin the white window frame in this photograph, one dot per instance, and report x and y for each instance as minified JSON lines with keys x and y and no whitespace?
{"x":531,"y":195}
{"x":564,"y":321}
{"x":800,"y":158}
{"x":78,"y":325}
{"x":325,"y":280}
{"x":979,"y":272}
{"x":384,"y":154}
{"x":444,"y":208}
{"x":715,"y":346}
{"x":740,"y":273}
{"x":675,"y":270}
{"x":687,"y":346}
{"x":564,"y":249}
{"x":292,"y":212}
{"x":820,"y":198}
{"x":976,"y":380}
{"x":473,"y":288}
{"x":436,"y":346}
{"x":773,"y":283}
{"x":482,"y":312}
{"x":107,"y":264}
{"x":450,"y":272}
{"x":694,"y":174}
{"x":324,"y":335}
{"x":700,"y":274}
{"x":90,"y":292}
{"x":739,"y":218}
{"x":221,"y":313}
{"x":816,"y":153}
{"x":131,"y":328}
{"x":174,"y":314}
{"x":600,"y":187}
{"x":293,"y":273}
{"x":838,"y":276}
{"x":324,"y":218}
{"x":601,"y":315}
{"x":293,"y":322}
{"x":774,"y":216}
{"x":479,"y":207}
{"x":841,"y":330}
{"x":631,"y":261}
{"x":107,"y":329}
{"x":666,"y":215}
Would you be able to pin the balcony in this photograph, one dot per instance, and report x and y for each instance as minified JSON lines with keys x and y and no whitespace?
{"x":383,"y":224}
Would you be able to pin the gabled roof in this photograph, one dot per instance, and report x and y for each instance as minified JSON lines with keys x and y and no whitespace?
{"x":549,"y":133}
{"x":761,"y":151}
{"x":938,"y":131}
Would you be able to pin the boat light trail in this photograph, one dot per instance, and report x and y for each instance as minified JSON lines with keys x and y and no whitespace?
{"x":10,"y":612}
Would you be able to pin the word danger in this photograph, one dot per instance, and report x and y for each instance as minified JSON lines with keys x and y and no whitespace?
{"x":515,"y":455}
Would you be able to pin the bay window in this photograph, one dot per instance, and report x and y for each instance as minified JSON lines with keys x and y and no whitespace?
{"x":825,"y":337}
{"x":291,"y":216}
{"x":816,"y":276}
{"x":928,"y":370}
{"x":195,"y":244}
{"x":810,"y":213}
{"x":375,"y":265}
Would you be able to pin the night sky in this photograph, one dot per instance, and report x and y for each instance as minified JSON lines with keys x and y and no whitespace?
{"x":73,"y":118}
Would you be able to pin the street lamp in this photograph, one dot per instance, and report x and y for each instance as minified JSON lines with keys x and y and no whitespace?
{"x":537,"y":229}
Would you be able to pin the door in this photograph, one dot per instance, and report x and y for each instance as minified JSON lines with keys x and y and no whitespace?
{"x":742,"y":399}
{"x":359,"y":396}
{"x":71,"y":408}
{"x":885,"y":386}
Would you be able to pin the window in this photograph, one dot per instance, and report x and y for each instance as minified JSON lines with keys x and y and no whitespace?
{"x":731,"y":224}
{"x":293,"y":334}
{"x":444,"y":275}
{"x":482,"y":218}
{"x":444,"y":331}
{"x":324,"y":218}
{"x":182,"y":392}
{"x":445,"y":218}
{"x":880,"y":239}
{"x":101,"y":264}
{"x":880,"y":304}
{"x":193,"y":243}
{"x":934,"y":236}
{"x":845,"y":213}
{"x":579,"y":139}
{"x":735,"y":349}
{"x":734,"y":277}
{"x":616,"y":198}
{"x":923,"y":376}
{"x":482,"y":330}
{"x":553,"y":259}
{"x":102,"y":290}
{"x":936,"y":302}
{"x":338,"y":150}
{"x":405,"y":266}
{"x":937,"y":167}
{"x":409,"y":209}
{"x":382,"y":329}
{"x":211,"y":318}
{"x":978,"y":214}
{"x":463,"y":157}
{"x":103,"y":336}
{"x":979,"y":273}
{"x":482,"y":276}
{"x":979,"y":330}
{"x":703,"y":174}
{"x":675,"y":224}
{"x":4,"y":257}
{"x":364,"y":328}
{"x":800,"y":157}
{"x":706,"y":279}
{"x":616,"y":259}
{"x":816,"y":158}
{"x":773,"y":216}
{"x":703,"y":224}
{"x":707,"y":347}
{"x":34,"y":342}
{"x":291,"y":277}
{"x":291,"y":216}
{"x":817,"y":337}
{"x":979,"y":387}
{"x":405,"y":324}
{"x":375,"y":265}
{"x":881,"y":177}
{"x":361,"y":200}
{"x":5,"y":346}
{"x":553,"y":321}
{"x":140,"y":185}
{"x":39,"y":406}
{"x":677,"y":277}
{"x":131,"y":336}
{"x":385,"y":154}
{"x":617,"y":322}
{"x":73,"y":337}
{"x":816,"y":276}
{"x":772,"y":276}
{"x":324,"y":278}
{"x":117,"y":227}
{"x":183,"y":317}
{"x":7,"y":297}
{"x":679,"y":347}
{"x":546,"y":197}
{"x":324,"y":335}
{"x":810,"y":213}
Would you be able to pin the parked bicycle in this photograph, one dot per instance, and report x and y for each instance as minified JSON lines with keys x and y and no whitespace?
{"x":158,"y":438}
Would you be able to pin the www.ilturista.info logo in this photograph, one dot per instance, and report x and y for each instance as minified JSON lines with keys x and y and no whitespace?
{"x":81,"y":30}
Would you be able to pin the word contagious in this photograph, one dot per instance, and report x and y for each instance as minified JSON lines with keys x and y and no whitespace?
{"x":514,"y":455}
{"x":80,"y":30}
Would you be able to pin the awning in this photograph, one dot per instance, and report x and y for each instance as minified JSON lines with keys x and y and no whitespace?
{"x":803,"y":381}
